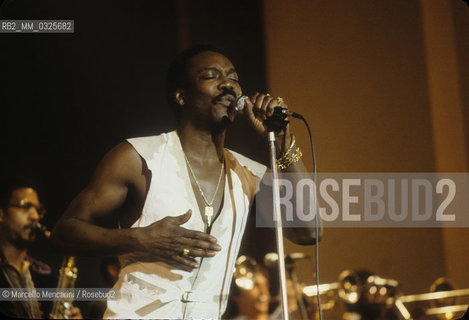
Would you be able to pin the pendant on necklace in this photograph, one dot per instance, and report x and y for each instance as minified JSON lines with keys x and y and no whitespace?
{"x":209,"y":214}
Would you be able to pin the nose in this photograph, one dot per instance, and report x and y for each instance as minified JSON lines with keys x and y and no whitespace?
{"x":225,"y":84}
{"x":34,"y":214}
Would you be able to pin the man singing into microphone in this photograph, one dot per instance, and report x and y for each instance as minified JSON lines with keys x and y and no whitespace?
{"x":174,"y":206}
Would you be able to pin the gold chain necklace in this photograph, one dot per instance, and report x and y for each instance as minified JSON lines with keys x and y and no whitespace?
{"x":208,"y":205}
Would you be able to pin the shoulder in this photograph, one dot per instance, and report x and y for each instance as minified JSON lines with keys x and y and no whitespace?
{"x":248,"y":171}
{"x":121,"y":165}
{"x":149,"y":141}
{"x":121,"y":158}
{"x":127,"y":162}
{"x":255,"y":168}
{"x":147,"y":146}
{"x":131,"y":151}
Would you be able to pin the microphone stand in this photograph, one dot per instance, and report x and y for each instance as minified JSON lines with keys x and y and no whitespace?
{"x":278,"y":225}
{"x":275,"y":123}
{"x":299,"y":298}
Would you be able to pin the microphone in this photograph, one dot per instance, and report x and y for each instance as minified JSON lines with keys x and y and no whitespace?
{"x":271,"y":258}
{"x":240,"y":104}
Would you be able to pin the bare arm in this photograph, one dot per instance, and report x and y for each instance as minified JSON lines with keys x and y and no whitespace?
{"x":116,"y":192}
{"x":86,"y":226}
{"x":296,"y":230}
{"x":258,"y":108}
{"x":303,"y":232}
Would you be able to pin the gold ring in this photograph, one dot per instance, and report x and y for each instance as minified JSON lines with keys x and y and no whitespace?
{"x":281,"y":102}
{"x":185,"y":252}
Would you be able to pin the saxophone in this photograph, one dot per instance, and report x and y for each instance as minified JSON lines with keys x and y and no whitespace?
{"x":68,"y":276}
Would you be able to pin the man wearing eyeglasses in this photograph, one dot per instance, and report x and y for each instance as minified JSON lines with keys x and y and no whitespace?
{"x":20,"y":213}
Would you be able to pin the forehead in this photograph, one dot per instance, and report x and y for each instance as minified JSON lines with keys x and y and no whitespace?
{"x":27,"y":194}
{"x":209,"y":59}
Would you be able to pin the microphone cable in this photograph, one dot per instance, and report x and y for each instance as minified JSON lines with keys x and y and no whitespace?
{"x":282,"y":112}
{"x":316,"y":224}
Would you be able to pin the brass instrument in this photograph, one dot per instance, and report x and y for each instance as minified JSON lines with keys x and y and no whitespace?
{"x":443,"y":302}
{"x":327,"y":291}
{"x":41,"y":230}
{"x":356,"y":285}
{"x":361,"y":291}
{"x":364,"y":291}
{"x":68,"y":276}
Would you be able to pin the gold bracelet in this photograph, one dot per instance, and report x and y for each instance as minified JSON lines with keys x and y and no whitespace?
{"x":287,"y":160}
{"x":292,"y":144}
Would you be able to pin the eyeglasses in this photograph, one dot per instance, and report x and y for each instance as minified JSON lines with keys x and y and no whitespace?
{"x":26,"y":206}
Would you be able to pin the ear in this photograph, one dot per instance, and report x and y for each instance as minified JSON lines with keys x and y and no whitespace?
{"x":179,"y":97}
{"x":2,"y":214}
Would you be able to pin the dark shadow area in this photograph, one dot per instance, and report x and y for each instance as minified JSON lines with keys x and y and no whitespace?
{"x":66,"y":99}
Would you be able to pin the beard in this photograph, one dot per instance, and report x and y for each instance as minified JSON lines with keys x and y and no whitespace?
{"x":25,"y":239}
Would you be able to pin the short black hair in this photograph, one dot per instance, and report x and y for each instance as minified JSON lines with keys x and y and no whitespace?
{"x":8,"y":185}
{"x":176,"y":76}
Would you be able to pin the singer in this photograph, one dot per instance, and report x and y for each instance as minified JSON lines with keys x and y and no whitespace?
{"x":174,"y":206}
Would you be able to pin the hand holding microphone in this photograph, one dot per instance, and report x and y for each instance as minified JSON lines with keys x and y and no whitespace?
{"x":240,"y":104}
{"x":265,"y":112}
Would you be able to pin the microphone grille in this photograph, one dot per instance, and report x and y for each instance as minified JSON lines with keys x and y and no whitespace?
{"x":240,"y":103}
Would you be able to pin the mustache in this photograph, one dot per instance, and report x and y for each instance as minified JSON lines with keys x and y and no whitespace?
{"x":32,"y":226}
{"x":226,"y":91}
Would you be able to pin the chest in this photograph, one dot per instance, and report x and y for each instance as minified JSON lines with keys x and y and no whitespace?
{"x":172,"y":192}
{"x":208,"y":189}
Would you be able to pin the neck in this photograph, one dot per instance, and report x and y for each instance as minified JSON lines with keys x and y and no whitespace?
{"x":202,"y":143}
{"x":14,"y":255}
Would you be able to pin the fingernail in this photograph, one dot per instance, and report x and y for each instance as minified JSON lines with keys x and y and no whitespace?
{"x":195,"y":265}
{"x":217,"y":247}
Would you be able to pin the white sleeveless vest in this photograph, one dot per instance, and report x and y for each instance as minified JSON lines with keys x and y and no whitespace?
{"x":157,"y":290}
